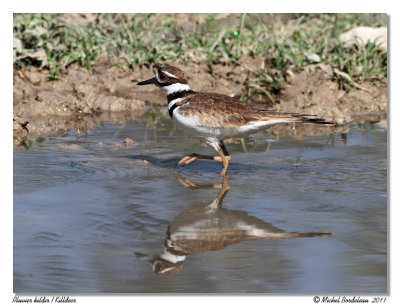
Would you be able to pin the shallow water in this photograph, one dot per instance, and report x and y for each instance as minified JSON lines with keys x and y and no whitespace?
{"x":89,"y":220}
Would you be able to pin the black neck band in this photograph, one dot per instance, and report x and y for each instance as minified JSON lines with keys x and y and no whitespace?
{"x":179,"y":94}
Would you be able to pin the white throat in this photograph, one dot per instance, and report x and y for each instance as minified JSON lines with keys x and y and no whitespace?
{"x":171,"y":257}
{"x":176,"y":87}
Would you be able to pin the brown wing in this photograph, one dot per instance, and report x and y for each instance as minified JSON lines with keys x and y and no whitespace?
{"x":218,"y":109}
{"x":221,"y":110}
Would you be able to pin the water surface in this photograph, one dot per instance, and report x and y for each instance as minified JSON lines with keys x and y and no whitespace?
{"x":89,"y":220}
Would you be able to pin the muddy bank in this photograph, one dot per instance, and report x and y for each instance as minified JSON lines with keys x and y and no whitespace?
{"x":313,"y":91}
{"x":79,"y":100}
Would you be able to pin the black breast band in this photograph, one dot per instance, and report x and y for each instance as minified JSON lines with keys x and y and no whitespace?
{"x":177,"y":95}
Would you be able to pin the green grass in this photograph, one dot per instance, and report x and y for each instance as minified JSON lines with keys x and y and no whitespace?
{"x":285,"y":42}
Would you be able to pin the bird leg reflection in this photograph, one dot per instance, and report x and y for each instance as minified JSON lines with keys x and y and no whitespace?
{"x":224,"y":186}
{"x":190,"y":184}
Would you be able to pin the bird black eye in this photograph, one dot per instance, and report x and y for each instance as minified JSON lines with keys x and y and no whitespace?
{"x":162,"y":76}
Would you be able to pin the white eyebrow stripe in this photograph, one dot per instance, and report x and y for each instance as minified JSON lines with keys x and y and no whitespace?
{"x":169,"y":74}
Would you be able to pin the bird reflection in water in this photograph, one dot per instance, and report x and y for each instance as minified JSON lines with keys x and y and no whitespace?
{"x":210,"y":227}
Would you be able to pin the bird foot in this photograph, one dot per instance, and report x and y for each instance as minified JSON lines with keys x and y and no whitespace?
{"x":188,"y":159}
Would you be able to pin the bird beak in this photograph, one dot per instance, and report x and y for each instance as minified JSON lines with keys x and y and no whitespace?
{"x":149,"y":81}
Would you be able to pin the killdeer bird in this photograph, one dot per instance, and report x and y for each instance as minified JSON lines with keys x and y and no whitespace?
{"x":213,"y":117}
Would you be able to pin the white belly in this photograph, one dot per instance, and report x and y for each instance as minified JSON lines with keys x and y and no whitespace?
{"x":191,"y":126}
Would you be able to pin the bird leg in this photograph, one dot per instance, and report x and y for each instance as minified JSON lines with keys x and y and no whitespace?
{"x":223,"y":157}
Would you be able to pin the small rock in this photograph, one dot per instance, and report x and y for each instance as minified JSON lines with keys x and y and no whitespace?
{"x":34,"y":77}
{"x":71,"y":147}
{"x":100,"y":144}
{"x":365,"y":34}
{"x":128,"y":142}
{"x":313,"y":57}
{"x":117,"y":146}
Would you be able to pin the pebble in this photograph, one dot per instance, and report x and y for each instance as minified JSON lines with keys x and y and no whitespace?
{"x":128,"y":142}
{"x":71,"y":147}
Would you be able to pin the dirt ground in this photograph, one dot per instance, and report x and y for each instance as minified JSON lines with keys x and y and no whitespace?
{"x":79,"y":100}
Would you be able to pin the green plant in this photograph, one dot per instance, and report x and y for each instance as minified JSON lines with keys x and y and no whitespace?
{"x":284,"y":43}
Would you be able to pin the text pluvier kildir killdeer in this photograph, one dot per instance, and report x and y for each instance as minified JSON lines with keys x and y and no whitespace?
{"x":213,"y":117}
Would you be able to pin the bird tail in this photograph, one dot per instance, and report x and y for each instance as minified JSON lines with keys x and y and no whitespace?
{"x":276,"y":117}
{"x":285,"y":235}
{"x":310,"y":234}
{"x":305,"y":118}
